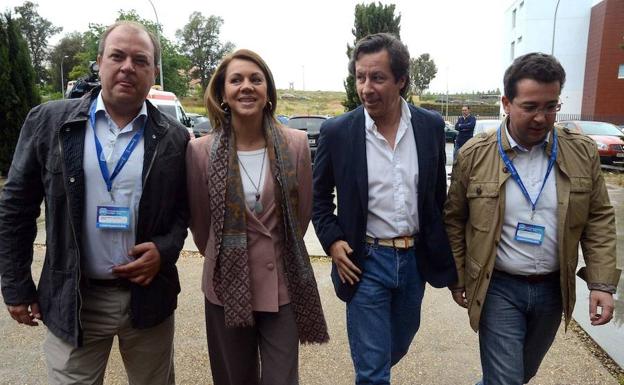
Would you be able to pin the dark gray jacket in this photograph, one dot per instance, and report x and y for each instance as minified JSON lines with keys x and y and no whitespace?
{"x":48,"y":164}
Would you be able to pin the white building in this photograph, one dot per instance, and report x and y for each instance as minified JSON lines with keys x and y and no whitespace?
{"x":529,"y":26}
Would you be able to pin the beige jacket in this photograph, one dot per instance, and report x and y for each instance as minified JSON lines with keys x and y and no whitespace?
{"x":264,"y":238}
{"x":474,"y":214}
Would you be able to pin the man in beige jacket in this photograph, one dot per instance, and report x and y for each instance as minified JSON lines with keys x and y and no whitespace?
{"x":520,"y":202}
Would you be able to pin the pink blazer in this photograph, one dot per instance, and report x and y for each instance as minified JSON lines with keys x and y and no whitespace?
{"x":264,"y":241}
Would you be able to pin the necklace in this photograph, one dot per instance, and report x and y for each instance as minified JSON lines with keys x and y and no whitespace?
{"x":257,"y":208}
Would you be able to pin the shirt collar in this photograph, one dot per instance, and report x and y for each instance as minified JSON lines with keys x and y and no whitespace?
{"x":406,"y":117}
{"x":135,"y":124}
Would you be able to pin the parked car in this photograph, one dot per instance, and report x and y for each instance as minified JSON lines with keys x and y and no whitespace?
{"x":486,"y":125}
{"x":168,"y":103}
{"x":202,"y":128}
{"x":282,"y":119}
{"x":196,"y":118}
{"x":312,"y":125}
{"x":608,"y":138}
{"x":450,"y":132}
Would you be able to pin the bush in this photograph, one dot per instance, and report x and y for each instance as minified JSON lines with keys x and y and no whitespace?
{"x":455,"y":109}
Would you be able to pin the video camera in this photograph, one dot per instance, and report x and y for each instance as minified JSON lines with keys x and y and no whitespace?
{"x":86,"y":83}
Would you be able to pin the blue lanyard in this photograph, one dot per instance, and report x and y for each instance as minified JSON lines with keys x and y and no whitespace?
{"x":514,"y":172}
{"x":108,"y":178}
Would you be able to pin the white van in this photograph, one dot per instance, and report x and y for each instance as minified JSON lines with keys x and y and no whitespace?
{"x":168,"y":103}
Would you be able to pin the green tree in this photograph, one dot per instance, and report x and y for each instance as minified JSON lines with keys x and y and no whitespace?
{"x":422,"y":71}
{"x":36,"y":31}
{"x":65,"y":53}
{"x":90,"y":41}
{"x":369,"y":18}
{"x":199,"y":39}
{"x":175,"y":65}
{"x":17,"y":82}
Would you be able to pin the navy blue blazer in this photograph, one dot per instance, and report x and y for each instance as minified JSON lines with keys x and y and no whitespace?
{"x":340,"y":163}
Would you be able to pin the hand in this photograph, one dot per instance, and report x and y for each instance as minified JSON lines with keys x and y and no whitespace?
{"x":347,"y":271}
{"x":142,"y":270}
{"x":603,"y":300}
{"x":459,"y":296}
{"x":23,"y":315}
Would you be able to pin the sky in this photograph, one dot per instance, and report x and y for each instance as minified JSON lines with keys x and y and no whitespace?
{"x":304,"y":42}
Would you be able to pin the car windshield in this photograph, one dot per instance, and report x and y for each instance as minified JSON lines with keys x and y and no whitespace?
{"x":199,"y":119}
{"x":486,"y":126}
{"x":167,"y":109}
{"x":311,"y":125}
{"x":599,"y":128}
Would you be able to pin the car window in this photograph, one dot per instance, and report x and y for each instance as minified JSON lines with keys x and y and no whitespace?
{"x":311,"y":125}
{"x":167,"y":109}
{"x":600,"y":128}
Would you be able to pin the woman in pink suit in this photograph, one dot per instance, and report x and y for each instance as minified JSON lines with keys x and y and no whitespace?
{"x":250,"y":196}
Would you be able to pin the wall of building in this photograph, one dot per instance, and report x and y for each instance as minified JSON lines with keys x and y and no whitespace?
{"x":604,"y":83}
{"x":533,"y":32}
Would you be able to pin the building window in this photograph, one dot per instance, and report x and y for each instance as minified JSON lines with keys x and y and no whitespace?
{"x":513,"y":19}
{"x":513,"y":49}
{"x":621,"y":72}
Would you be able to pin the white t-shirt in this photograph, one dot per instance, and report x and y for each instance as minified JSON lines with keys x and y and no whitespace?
{"x":253,"y":172}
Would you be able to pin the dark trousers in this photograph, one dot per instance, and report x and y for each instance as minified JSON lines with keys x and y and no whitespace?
{"x":265,"y":354}
{"x":518,"y":324}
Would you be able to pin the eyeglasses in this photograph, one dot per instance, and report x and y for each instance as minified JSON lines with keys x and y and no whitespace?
{"x":549,"y":110}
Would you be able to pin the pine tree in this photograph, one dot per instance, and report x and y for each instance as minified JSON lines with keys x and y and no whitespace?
{"x":369,"y":18}
{"x":17,"y":80}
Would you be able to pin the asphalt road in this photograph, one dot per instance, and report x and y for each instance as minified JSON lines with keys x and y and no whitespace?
{"x":445,"y":351}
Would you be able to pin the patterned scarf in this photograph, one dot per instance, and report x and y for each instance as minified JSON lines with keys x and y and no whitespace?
{"x":227,"y":206}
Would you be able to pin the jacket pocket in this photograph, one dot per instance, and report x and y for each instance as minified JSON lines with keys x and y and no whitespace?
{"x":53,"y":178}
{"x":482,"y":201}
{"x":578,"y":207}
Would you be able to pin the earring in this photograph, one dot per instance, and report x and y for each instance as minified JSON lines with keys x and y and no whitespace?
{"x":224,"y":106}
{"x":270,"y":105}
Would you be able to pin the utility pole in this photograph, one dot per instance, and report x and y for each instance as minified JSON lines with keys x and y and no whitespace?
{"x":162,"y":84}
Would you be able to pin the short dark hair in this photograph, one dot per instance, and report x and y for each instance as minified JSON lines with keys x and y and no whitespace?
{"x":135,"y":25}
{"x":467,"y":106}
{"x":538,"y":66}
{"x":397,"y":51}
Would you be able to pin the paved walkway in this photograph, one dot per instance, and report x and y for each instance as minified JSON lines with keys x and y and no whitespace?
{"x":445,"y":350}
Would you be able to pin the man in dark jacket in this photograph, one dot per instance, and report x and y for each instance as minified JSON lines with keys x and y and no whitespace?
{"x":111,"y":169}
{"x":465,"y":126}
{"x":385,"y":163}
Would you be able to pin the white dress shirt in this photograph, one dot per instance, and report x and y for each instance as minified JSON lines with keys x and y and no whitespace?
{"x":103,"y":248}
{"x":523,"y":258}
{"x":392,"y":180}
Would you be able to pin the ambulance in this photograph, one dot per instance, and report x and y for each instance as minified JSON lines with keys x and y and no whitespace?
{"x":168,"y":103}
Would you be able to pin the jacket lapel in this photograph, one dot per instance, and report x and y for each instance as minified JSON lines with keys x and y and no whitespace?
{"x":421,"y":148}
{"x":357,"y":161}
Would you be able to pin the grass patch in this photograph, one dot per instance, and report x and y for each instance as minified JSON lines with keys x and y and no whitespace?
{"x":289,"y":103}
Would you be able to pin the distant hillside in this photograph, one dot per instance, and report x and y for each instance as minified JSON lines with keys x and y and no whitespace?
{"x":291,"y":103}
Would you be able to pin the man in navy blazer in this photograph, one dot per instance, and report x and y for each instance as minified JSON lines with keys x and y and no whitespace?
{"x":386,"y":162}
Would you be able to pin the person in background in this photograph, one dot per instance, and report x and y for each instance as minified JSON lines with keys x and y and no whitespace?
{"x":465,"y":126}
{"x":250,"y":188}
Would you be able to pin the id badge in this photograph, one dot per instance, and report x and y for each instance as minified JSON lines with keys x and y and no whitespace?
{"x":527,"y":233}
{"x":111,"y":217}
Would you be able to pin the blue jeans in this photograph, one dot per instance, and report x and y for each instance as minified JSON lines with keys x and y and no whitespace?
{"x":518,"y":324}
{"x":384,"y":314}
